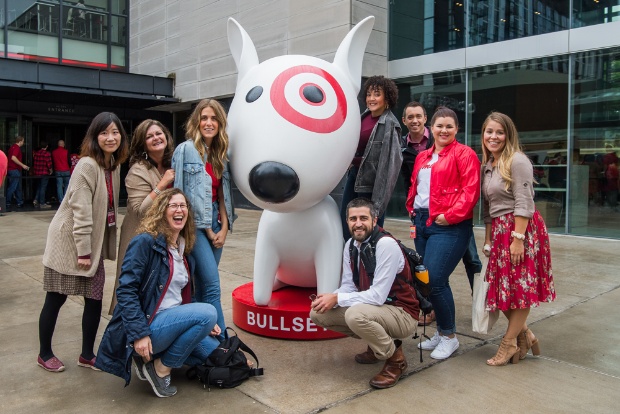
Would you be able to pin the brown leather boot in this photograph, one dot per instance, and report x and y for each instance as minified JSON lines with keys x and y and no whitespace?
{"x":393,"y":369}
{"x":367,"y":357}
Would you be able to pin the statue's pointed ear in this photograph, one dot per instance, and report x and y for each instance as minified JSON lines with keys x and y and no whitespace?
{"x":350,"y":53}
{"x":242,"y":48}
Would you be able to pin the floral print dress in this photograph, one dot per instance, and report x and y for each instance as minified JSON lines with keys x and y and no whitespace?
{"x":524,"y":285}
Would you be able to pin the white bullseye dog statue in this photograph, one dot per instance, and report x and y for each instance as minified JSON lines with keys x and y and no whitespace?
{"x":294,"y":127}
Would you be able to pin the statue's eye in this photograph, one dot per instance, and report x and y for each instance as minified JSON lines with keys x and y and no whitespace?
{"x":254,"y":94}
{"x":313,"y":94}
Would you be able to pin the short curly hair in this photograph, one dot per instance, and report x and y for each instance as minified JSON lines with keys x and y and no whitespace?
{"x":384,"y":84}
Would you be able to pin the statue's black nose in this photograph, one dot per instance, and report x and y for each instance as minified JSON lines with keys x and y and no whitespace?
{"x":273,"y":182}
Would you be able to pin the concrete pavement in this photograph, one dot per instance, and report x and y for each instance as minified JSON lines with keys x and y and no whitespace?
{"x":579,"y":370}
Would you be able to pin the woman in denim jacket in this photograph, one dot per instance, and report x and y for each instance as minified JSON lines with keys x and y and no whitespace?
{"x":201,"y":171}
{"x":376,"y":165}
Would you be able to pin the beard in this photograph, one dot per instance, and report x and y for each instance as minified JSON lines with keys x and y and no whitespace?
{"x":360,"y":237}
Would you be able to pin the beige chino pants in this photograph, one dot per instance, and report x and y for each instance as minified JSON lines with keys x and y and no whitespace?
{"x":377,"y":325}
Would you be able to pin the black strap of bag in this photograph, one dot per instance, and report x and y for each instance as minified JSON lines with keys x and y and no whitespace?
{"x":226,"y":367}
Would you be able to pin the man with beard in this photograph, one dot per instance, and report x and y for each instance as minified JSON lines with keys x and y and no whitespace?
{"x":378,"y":307}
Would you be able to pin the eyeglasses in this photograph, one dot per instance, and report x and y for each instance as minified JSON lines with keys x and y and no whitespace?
{"x":174,"y":206}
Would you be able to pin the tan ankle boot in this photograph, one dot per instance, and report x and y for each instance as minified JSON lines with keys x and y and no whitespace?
{"x":393,"y":369}
{"x":508,"y":350}
{"x":367,"y":357}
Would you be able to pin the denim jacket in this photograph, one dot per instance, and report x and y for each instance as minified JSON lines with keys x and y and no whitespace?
{"x":142,"y":282}
{"x":191,"y":177}
{"x":381,"y":162}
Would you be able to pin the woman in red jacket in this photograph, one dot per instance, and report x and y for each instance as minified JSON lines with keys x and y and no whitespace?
{"x":445,"y":186}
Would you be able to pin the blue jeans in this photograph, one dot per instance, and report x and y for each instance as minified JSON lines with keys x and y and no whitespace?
{"x":349,"y":194}
{"x":442,"y":247}
{"x":471,"y":261}
{"x":207,"y":276}
{"x":41,"y":189}
{"x":180,"y":335}
{"x":62,"y":182}
{"x":15,"y":187}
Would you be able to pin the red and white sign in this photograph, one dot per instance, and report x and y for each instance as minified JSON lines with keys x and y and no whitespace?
{"x":287,"y":316}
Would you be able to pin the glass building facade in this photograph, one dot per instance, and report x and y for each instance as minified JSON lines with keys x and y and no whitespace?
{"x":91,"y":33}
{"x":553,"y":66}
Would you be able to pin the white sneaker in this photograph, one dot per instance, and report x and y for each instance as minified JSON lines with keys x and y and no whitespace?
{"x":445,"y":348}
{"x":430,"y":344}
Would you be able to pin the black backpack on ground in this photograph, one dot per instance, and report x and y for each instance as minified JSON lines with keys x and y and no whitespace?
{"x":227,"y":366}
{"x":369,"y":260}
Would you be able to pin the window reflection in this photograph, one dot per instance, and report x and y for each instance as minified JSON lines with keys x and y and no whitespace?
{"x":34,"y":30}
{"x":419,"y":27}
{"x":498,"y":20}
{"x":422,"y":27}
{"x":588,"y":12}
{"x":596,"y":142}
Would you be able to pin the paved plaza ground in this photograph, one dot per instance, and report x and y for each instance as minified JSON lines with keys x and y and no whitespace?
{"x":578,"y":371}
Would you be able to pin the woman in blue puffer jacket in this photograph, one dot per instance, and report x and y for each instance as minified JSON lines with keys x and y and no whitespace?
{"x":155,"y":322}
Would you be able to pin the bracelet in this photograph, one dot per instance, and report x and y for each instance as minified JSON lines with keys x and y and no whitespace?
{"x":486,"y":248}
{"x":157,"y":191}
{"x":518,"y":236}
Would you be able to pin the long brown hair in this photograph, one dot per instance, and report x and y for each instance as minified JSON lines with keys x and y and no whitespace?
{"x":90,"y":144}
{"x":217,"y":154}
{"x":137,"y":149}
{"x":154,"y":221}
{"x":512,"y":145}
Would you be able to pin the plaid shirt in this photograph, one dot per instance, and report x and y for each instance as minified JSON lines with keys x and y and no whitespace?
{"x":42,"y":162}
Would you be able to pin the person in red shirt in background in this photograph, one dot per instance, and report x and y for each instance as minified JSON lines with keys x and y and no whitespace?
{"x":73,"y":159}
{"x":15,"y":167}
{"x":3,"y":164}
{"x":60,"y":158}
{"x":42,"y":167}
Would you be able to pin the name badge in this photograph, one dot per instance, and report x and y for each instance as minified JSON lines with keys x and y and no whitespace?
{"x":111,"y":218}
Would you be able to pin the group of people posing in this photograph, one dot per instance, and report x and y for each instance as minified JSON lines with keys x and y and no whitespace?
{"x":444,"y":180}
{"x":167,"y":310}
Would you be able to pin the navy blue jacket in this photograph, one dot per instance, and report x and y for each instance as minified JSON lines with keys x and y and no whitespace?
{"x":143,"y":279}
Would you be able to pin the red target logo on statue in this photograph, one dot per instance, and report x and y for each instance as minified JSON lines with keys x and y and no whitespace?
{"x":310,"y":98}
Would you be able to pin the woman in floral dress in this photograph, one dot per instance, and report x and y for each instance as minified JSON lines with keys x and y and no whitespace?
{"x":516,"y":242}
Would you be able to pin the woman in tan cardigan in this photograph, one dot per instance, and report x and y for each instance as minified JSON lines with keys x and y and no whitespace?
{"x":149,"y":174}
{"x":81,"y":235}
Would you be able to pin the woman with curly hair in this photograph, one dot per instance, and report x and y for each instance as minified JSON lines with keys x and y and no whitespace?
{"x":159,"y":327}
{"x":516,"y":241}
{"x":376,"y":164}
{"x":150,"y":155}
{"x":81,"y":235}
{"x":201,"y":171}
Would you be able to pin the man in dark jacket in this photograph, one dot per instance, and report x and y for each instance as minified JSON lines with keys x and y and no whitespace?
{"x":417,"y":139}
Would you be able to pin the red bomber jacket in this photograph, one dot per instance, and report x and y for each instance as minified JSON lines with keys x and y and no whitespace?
{"x":455,"y":183}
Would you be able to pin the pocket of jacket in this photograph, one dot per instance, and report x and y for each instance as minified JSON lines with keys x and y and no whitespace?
{"x":448,"y":192}
{"x":193,"y":174}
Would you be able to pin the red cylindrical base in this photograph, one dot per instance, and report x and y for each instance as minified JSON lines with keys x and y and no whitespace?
{"x":286,"y":316}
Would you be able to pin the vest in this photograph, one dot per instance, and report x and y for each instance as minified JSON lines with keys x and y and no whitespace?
{"x":402,"y":293}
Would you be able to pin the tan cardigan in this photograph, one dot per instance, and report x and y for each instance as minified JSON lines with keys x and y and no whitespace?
{"x":78,"y":228}
{"x":140,"y":182}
